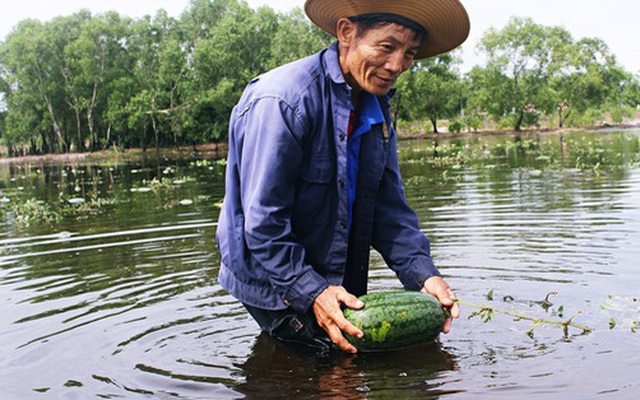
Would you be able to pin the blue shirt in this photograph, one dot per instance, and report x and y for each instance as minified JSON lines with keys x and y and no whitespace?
{"x":283,"y":231}
{"x":367,"y":116}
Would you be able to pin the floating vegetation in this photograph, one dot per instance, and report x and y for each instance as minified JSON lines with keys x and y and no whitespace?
{"x":81,"y":208}
{"x":30,"y":211}
{"x":626,"y":311}
{"x":583,"y":151}
{"x":27,"y":212}
{"x":206,"y":163}
{"x":417,"y":180}
{"x":486,"y":313}
{"x":163,"y":184}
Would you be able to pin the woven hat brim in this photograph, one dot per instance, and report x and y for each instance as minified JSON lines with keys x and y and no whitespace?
{"x":446,"y":21}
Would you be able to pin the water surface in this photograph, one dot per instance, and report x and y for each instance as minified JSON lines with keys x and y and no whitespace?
{"x":115,"y":295}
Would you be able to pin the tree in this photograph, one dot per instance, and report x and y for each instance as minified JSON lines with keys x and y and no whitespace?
{"x":309,"y":39}
{"x":92,"y":59}
{"x":35,"y":80}
{"x":84,"y":82}
{"x":533,"y":70}
{"x":235,"y":49}
{"x":520,"y":58}
{"x":159,"y":69}
{"x":430,"y":89}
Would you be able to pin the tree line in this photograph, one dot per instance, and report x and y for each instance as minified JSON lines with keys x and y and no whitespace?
{"x":88,"y":82}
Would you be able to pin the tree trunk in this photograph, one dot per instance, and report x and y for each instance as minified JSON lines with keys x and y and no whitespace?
{"x":79,"y":132}
{"x":108,"y":138}
{"x":434,"y":122}
{"x":519,"y":122}
{"x":155,"y":132}
{"x":90,"y":124}
{"x":561,"y":115}
{"x":54,"y":125}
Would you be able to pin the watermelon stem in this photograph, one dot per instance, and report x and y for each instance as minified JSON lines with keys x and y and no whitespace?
{"x":486,"y":313}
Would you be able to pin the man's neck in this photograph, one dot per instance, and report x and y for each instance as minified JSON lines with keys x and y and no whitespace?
{"x":356,"y":96}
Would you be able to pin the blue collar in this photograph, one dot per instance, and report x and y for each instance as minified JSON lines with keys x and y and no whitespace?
{"x":370,"y":114}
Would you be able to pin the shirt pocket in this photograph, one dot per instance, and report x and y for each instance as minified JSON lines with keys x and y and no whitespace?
{"x":315,"y":194}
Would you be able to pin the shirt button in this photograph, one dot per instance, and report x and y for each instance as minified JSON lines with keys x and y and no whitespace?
{"x":342,"y":137}
{"x":343,"y":225}
{"x":342,"y":183}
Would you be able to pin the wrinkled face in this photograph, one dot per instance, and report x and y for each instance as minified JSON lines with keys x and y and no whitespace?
{"x":373,"y":61}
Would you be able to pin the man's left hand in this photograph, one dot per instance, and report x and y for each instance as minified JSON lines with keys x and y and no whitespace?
{"x":440,"y":289}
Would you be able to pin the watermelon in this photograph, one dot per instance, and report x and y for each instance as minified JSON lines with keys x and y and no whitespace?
{"x":395,"y":319}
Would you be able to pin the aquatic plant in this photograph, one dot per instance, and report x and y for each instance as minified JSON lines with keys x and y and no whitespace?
{"x":85,"y":208}
{"x":27,"y":212}
{"x":585,"y":151}
{"x":626,"y":311}
{"x":486,"y":313}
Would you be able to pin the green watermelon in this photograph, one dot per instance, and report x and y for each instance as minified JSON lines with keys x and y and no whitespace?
{"x":396,"y":319}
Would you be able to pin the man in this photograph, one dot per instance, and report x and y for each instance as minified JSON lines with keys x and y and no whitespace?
{"x":312,"y":173}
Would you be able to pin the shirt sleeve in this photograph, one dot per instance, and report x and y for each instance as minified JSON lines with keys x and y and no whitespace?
{"x":269,"y":157}
{"x":397,"y":236}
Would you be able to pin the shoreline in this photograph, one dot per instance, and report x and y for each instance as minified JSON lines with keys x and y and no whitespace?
{"x":212,"y":150}
{"x":218,"y":150}
{"x":524,"y":132}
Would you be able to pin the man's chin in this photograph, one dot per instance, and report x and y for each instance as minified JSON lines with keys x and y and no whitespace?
{"x":381,"y":91}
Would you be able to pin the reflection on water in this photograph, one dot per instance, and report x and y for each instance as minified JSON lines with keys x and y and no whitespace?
{"x":115,"y":295}
{"x":410,"y":373}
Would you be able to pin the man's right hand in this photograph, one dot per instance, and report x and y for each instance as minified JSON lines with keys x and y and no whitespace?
{"x":328,"y":312}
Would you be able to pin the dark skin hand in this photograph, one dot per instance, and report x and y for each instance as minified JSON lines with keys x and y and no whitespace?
{"x":440,"y":289}
{"x":328,"y":311}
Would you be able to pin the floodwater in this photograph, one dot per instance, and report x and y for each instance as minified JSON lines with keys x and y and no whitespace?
{"x":108,"y":282}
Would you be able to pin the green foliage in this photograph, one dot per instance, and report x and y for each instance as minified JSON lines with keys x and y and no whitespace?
{"x":296,"y":38}
{"x":542,"y":69}
{"x":31,"y":211}
{"x":430,"y":89}
{"x":456,"y":126}
{"x":88,"y":82}
{"x":92,"y":81}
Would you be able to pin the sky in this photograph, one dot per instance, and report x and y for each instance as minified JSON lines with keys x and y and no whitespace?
{"x":615,"y":21}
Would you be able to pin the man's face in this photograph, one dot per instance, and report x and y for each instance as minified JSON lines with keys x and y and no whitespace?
{"x":373,"y":61}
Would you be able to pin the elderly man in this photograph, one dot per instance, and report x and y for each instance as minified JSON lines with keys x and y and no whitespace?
{"x":312,"y":177}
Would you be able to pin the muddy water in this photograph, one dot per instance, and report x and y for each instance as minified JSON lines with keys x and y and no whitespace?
{"x":115,"y":295}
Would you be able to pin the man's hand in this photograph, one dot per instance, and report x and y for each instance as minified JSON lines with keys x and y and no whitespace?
{"x":436,"y":286}
{"x":326,"y":308}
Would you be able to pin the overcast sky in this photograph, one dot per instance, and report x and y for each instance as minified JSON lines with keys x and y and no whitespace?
{"x":617,"y":22}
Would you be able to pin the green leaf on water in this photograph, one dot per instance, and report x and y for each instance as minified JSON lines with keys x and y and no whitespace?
{"x":490,"y":295}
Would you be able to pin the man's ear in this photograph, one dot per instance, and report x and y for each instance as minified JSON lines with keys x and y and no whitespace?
{"x":346,"y":31}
